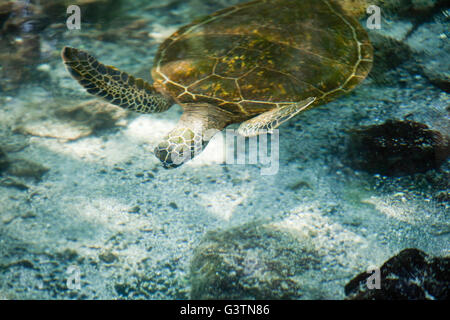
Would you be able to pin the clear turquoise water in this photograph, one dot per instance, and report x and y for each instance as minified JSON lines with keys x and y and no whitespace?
{"x":84,"y":192}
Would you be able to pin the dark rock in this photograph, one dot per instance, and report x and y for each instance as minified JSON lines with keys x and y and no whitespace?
{"x":11,"y":183}
{"x":397,"y":148}
{"x":29,"y":215}
{"x":299,"y":185}
{"x":19,"y":43}
{"x":27,"y":169}
{"x":107,"y":257}
{"x":93,"y":114}
{"x":389,"y":54}
{"x":67,"y":255}
{"x":126,"y":29}
{"x":251,"y":262}
{"x":122,"y":289}
{"x":410,"y":275}
{"x":4,"y":162}
{"x":432,"y":50}
{"x":415,"y":9}
{"x":21,"y":263}
{"x":173,"y":205}
{"x":135,"y":209}
{"x":21,"y":26}
{"x":74,"y":121}
{"x":442,"y":196}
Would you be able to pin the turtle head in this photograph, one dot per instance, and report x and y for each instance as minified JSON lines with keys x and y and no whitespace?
{"x":192,"y":134}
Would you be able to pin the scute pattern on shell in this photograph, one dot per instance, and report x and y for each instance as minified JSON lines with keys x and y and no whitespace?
{"x":257,"y":56}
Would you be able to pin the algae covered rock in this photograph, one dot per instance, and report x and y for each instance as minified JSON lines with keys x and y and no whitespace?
{"x":397,"y":148}
{"x":20,"y":24}
{"x":27,"y":169}
{"x":21,"y":168}
{"x":22,"y":34}
{"x":4,"y":162}
{"x":409,"y":8}
{"x":410,"y":275}
{"x":432,"y":49}
{"x":93,"y":114}
{"x":252,"y":261}
{"x":389,"y":54}
{"x":75,"y":121}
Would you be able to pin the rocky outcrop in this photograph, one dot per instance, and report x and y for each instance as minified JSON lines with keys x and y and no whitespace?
{"x":397,"y":148}
{"x":410,"y":275}
{"x":251,"y":262}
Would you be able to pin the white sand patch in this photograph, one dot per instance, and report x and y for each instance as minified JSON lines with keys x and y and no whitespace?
{"x":146,"y":129}
{"x":93,"y":149}
{"x":421,"y":213}
{"x":222,"y":204}
{"x":102,"y":210}
{"x":329,"y":238}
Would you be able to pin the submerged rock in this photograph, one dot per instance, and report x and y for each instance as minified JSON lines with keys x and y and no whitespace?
{"x":251,"y":262}
{"x":410,"y":275}
{"x":12,"y":183}
{"x":432,"y":50}
{"x":107,"y":257}
{"x":93,"y":114}
{"x":413,"y":35}
{"x":4,"y":162}
{"x":75,"y":121}
{"x":409,"y":8}
{"x":20,"y":24}
{"x":20,"y":168}
{"x":389,"y":54}
{"x":26,"y":169}
{"x":397,"y":148}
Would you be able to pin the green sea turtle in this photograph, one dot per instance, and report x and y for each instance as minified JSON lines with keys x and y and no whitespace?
{"x":259,"y":64}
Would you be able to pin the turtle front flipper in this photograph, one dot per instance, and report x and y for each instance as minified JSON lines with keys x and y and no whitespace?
{"x":270,"y":120}
{"x":113,"y":85}
{"x":196,"y":128}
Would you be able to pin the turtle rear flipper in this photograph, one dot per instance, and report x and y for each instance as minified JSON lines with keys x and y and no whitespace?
{"x":272,"y":119}
{"x":115,"y":86}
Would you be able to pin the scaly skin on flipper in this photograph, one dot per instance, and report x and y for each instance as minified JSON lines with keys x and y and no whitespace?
{"x":192,"y":134}
{"x":180,"y":145}
{"x":115,"y":86}
{"x":272,"y":119}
